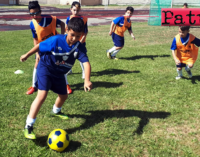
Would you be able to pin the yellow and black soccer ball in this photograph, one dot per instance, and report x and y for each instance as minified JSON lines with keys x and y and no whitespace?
{"x":58,"y":140}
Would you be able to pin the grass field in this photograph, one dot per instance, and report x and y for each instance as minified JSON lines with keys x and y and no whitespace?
{"x":136,"y":107}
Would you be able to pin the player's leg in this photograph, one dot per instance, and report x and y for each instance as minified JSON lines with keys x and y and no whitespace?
{"x":31,"y":118}
{"x":179,"y":70}
{"x":56,"y":111}
{"x":188,"y":69}
{"x":33,"y":88}
{"x":69,"y":90}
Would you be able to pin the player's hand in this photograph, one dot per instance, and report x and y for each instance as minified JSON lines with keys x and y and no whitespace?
{"x":23,"y":58}
{"x":87,"y":86}
{"x":110,"y":33}
{"x":177,"y":61}
{"x":37,"y":57}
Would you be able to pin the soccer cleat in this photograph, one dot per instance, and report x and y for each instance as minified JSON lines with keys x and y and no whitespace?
{"x":113,"y":57}
{"x":178,"y":77}
{"x":31,"y":90}
{"x":28,"y":133}
{"x":189,"y":73}
{"x":108,"y":54}
{"x":59,"y":114}
{"x":69,"y":90}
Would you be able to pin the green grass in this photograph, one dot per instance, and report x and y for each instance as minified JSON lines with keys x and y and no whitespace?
{"x":136,"y":107}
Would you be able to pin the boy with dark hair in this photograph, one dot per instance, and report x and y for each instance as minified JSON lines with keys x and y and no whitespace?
{"x":185,"y":5}
{"x":42,"y":27}
{"x":117,"y":29}
{"x":184,"y":50}
{"x":58,"y":56}
{"x":75,"y":9}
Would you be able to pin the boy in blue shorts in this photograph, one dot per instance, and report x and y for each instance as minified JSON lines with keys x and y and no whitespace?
{"x":58,"y":56}
{"x":185,"y":51}
{"x":75,"y":9}
{"x":42,"y":27}
{"x":117,"y":29}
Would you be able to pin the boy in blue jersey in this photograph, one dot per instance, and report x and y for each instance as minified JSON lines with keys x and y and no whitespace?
{"x":58,"y":56}
{"x":42,"y":27}
{"x":117,"y":29}
{"x":75,"y":9}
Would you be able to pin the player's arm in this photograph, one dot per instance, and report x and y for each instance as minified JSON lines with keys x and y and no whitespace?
{"x":29,"y":53}
{"x":111,"y":27}
{"x":131,"y":33}
{"x":62,"y":27}
{"x":173,"y":48}
{"x":196,"y":41}
{"x":85,"y":33}
{"x":87,"y":83}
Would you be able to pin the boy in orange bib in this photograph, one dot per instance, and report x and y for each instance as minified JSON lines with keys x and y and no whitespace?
{"x":184,"y":50}
{"x":117,"y":29}
{"x":42,"y":27}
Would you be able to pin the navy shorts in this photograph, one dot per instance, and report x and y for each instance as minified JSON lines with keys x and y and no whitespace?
{"x":118,"y":40}
{"x":49,"y":82}
{"x":180,"y":65}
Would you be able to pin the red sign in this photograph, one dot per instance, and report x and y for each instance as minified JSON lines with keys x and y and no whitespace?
{"x":182,"y":16}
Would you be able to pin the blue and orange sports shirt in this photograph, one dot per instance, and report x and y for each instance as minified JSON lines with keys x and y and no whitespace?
{"x":122,"y":24}
{"x":46,"y":20}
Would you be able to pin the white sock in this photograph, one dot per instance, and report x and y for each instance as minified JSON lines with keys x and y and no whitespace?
{"x":34,"y":77}
{"x":29,"y":121}
{"x":66,"y":79}
{"x":179,"y":72}
{"x":115,"y":53}
{"x":56,"y":109}
{"x":83,"y":72}
{"x":187,"y":68}
{"x":112,"y":49}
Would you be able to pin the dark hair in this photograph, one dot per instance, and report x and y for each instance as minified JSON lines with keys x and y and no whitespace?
{"x":130,"y":9}
{"x":185,"y":4}
{"x":76,"y":4}
{"x":184,"y":28}
{"x":33,"y":5}
{"x":76,"y":24}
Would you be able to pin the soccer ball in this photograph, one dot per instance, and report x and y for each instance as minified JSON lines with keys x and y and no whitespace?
{"x":58,"y":140}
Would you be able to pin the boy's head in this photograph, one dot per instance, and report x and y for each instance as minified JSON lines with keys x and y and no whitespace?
{"x":34,"y":9}
{"x":183,"y":31}
{"x":129,"y":11}
{"x":185,"y":5}
{"x":75,"y":30}
{"x":75,"y":8}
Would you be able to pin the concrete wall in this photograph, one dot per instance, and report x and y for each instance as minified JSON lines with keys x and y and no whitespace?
{"x":7,"y":2}
{"x":91,"y":2}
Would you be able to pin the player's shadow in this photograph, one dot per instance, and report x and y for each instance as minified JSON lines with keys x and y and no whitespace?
{"x":144,"y":56}
{"x":97,"y":84}
{"x":100,"y":116}
{"x":111,"y":72}
{"x":193,"y":79}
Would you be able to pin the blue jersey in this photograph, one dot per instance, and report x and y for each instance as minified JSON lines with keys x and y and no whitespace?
{"x":85,"y":25}
{"x":185,"y":40}
{"x":58,"y":57}
{"x":45,"y":21}
{"x":120,"y":22}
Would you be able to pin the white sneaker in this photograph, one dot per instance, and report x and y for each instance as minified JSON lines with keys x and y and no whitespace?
{"x":178,"y":77}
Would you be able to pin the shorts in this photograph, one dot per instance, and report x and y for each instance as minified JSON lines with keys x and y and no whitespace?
{"x":48,"y":82}
{"x":118,"y":40}
{"x":180,"y":65}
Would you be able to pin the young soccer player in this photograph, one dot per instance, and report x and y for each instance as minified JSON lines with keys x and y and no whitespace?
{"x":58,"y":56}
{"x":185,"y":5}
{"x":117,"y":29}
{"x":184,"y":50}
{"x":42,"y":27}
{"x":75,"y":9}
